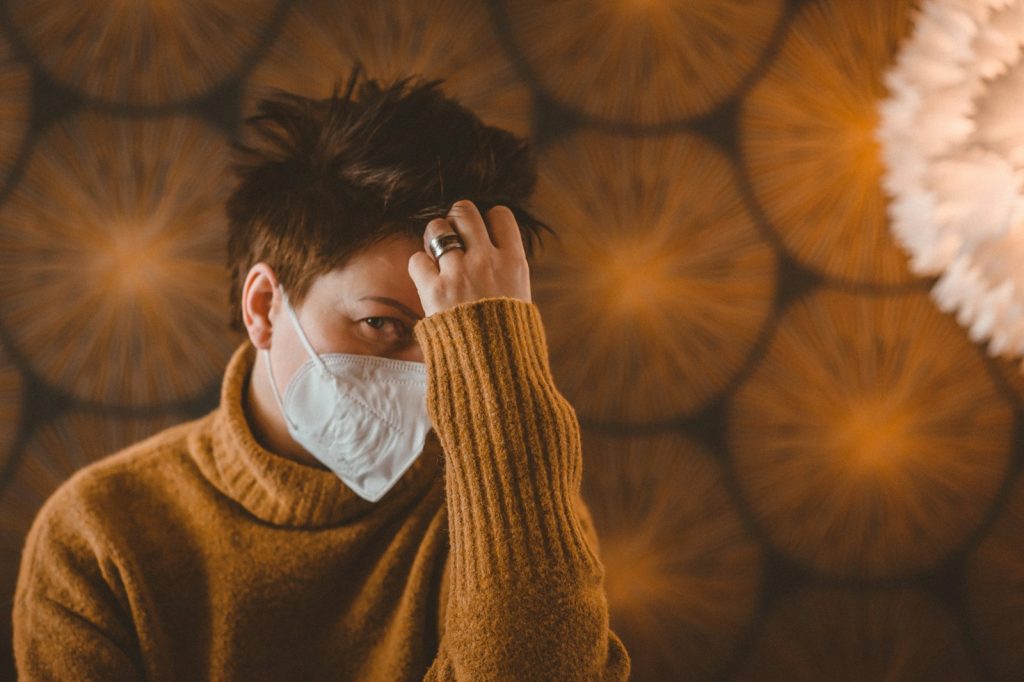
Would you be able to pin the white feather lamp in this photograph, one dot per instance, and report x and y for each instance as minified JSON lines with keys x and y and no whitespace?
{"x":952,"y":139}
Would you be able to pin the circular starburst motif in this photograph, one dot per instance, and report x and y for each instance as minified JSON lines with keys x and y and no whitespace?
{"x":682,"y":574}
{"x":871,"y":440}
{"x":658,"y":285}
{"x":642,"y":62}
{"x":808,"y":139}
{"x":141,"y":52}
{"x":113,"y":282}
{"x":449,"y":39}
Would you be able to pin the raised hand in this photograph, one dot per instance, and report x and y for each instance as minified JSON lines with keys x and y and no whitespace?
{"x":492,"y":264}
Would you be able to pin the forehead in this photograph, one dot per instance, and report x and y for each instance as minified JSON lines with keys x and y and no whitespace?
{"x":381,"y":269}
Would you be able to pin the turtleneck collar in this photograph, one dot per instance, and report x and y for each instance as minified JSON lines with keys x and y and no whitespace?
{"x":279,"y":490}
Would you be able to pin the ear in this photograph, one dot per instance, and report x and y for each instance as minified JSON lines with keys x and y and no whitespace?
{"x":260,"y":300}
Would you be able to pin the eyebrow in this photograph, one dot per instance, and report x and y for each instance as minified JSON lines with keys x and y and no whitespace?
{"x":394,"y":304}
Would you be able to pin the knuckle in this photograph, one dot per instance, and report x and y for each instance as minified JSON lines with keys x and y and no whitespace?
{"x":520,"y":268}
{"x":461,"y":205}
{"x":511,"y":256}
{"x":434,"y":229}
{"x":500,"y":208}
{"x":437,"y":224}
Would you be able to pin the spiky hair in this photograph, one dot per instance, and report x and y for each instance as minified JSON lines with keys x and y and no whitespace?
{"x":321,"y":179}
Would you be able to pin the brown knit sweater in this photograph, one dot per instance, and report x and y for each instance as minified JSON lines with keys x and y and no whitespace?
{"x":196,"y":554}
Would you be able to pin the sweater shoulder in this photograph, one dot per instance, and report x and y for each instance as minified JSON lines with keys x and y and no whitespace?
{"x":116,"y":484}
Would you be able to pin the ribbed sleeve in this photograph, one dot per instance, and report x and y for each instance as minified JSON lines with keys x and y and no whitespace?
{"x":527,"y":595}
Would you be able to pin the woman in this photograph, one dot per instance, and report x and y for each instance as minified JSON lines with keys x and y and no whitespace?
{"x":389,"y":487}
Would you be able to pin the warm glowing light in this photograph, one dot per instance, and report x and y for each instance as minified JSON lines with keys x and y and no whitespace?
{"x":631,"y":277}
{"x":648,"y":11}
{"x":681,"y":574}
{"x":871,"y":439}
{"x":659,"y":283}
{"x":125,"y":256}
{"x":808,"y":139}
{"x":871,"y":436}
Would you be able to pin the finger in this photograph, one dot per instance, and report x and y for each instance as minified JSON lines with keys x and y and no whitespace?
{"x":422,"y":270}
{"x":436,"y":228}
{"x":468,"y":222}
{"x":505,"y":230}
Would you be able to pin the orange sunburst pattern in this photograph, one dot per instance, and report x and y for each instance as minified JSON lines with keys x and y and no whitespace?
{"x":642,"y":61}
{"x":995,"y":590}
{"x":11,"y":387}
{"x":15,"y":90}
{"x":682,"y":575}
{"x":54,"y":454}
{"x":112,"y":251}
{"x":659,"y":283}
{"x":145,"y":52}
{"x":827,"y":634}
{"x":871,"y":440}
{"x":808,"y":139}
{"x":449,"y":39}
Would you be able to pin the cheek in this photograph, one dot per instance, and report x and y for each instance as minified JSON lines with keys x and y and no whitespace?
{"x":340,"y":334}
{"x":414,"y":354}
{"x":287,"y":355}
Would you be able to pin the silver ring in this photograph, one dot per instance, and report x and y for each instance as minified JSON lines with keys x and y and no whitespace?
{"x":443,"y":243}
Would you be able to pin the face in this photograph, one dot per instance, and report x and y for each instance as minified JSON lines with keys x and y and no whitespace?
{"x":368,"y":307}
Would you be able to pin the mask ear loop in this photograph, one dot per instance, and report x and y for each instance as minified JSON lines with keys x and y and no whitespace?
{"x":309,"y":349}
{"x":302,"y":334}
{"x":273,"y":388}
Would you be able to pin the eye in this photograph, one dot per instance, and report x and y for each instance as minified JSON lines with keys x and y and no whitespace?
{"x":388,"y":327}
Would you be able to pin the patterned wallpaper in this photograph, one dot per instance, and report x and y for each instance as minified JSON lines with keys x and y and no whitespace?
{"x":800,"y":469}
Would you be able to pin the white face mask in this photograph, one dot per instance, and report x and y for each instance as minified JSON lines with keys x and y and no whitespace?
{"x":363,"y":416}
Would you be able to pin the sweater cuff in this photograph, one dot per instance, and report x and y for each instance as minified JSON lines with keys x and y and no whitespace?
{"x":512,"y":443}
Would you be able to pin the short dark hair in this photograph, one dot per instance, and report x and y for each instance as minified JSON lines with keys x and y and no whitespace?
{"x":321,"y":179}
